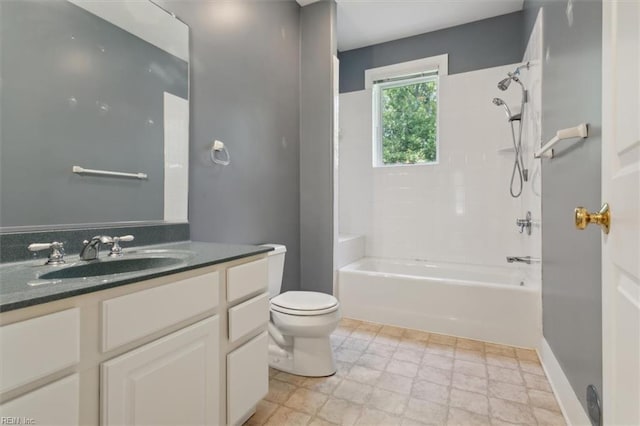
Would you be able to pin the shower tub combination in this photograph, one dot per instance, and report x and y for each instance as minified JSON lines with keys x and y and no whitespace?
{"x":494,"y":304}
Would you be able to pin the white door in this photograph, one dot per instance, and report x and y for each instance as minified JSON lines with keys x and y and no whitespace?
{"x":174,"y":380}
{"x":621,"y":188}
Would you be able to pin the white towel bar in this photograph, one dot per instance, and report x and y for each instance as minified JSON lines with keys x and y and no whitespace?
{"x":580,"y":131}
{"x":82,"y":171}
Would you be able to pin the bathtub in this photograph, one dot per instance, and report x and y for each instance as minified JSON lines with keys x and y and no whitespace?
{"x":494,"y":304}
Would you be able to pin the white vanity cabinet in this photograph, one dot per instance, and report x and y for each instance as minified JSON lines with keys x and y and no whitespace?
{"x":166,"y":351}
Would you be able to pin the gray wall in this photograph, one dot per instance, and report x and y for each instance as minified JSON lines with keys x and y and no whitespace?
{"x":245,"y":92}
{"x":571,"y":94}
{"x":58,"y":64}
{"x":477,"y":45}
{"x":318,"y":45}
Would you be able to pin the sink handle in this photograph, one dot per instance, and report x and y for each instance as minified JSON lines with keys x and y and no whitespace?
{"x":116,"y":250}
{"x":56,"y":257}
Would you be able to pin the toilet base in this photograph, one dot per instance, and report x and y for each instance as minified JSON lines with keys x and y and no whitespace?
{"x":308,"y":356}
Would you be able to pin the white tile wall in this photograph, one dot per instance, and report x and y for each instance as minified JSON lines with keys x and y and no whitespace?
{"x":458,"y":210}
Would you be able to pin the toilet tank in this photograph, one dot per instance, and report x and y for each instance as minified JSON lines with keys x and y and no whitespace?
{"x":276,"y":267}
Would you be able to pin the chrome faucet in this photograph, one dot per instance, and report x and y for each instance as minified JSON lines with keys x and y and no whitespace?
{"x":524,"y":223}
{"x":91,"y":248}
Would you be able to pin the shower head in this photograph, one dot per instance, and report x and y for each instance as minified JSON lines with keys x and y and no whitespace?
{"x":498,"y":102}
{"x":504,"y":84}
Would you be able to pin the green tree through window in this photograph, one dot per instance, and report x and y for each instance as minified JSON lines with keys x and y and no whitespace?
{"x":409,"y":122}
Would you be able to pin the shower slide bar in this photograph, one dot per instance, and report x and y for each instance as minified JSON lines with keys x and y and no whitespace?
{"x":580,"y":131}
{"x":82,"y":171}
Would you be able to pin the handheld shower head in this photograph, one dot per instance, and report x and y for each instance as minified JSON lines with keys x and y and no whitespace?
{"x":498,"y":102}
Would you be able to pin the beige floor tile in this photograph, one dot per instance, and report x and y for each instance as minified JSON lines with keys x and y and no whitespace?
{"x":391,"y":330}
{"x":365,"y":375}
{"x":372,"y":417}
{"x":353,"y":391}
{"x":340,"y":411}
{"x":527,"y":354}
{"x":533,"y":381}
{"x":264,"y":409}
{"x":395,"y":383}
{"x":434,"y":375}
{"x":418,"y":335}
{"x":317,"y":421}
{"x":390,"y":402}
{"x":430,"y":391}
{"x":470,"y":355}
{"x":370,"y":326}
{"x":408,"y":343}
{"x":336,"y":340}
{"x":343,"y":368}
{"x":410,"y":355}
{"x":373,"y":361}
{"x":442,"y":339}
{"x":470,"y":401}
{"x":548,"y":418}
{"x":459,"y":417}
{"x":474,"y":345}
{"x":289,"y":417}
{"x":363,"y":334}
{"x":355,"y":344}
{"x":469,"y":383}
{"x":531,"y":367}
{"x":410,"y":422}
{"x":279,"y":391}
{"x":347,"y":355}
{"x":470,"y":368}
{"x":437,"y":361}
{"x":273,"y":372}
{"x":542,"y":399}
{"x":501,"y":361}
{"x":426,"y":411}
{"x":500,"y":349}
{"x":289,"y":378}
{"x":403,"y":368}
{"x":348,"y":322}
{"x":498,"y":422}
{"x":322,"y":384}
{"x":306,"y":401}
{"x":343,"y":331}
{"x":505,"y":375}
{"x":508,"y":391}
{"x":435,"y":348}
{"x":511,"y":411}
{"x":386,"y":339}
{"x":381,"y":349}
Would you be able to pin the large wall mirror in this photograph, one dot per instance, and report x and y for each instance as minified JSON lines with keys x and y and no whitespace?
{"x":90,"y":88}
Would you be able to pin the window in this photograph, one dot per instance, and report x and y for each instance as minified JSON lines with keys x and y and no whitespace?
{"x":405,"y":113}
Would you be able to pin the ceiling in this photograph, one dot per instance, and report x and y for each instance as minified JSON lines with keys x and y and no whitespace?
{"x":366,"y":22}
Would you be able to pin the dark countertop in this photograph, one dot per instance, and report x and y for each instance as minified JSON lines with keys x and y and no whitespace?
{"x":20,"y":285}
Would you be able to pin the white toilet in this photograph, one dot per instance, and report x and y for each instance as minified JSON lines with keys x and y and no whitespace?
{"x":300,"y":326}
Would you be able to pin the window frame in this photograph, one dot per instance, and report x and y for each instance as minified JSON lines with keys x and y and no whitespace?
{"x":402,"y":74}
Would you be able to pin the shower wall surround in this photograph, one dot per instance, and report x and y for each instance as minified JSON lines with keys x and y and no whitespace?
{"x":458,"y":210}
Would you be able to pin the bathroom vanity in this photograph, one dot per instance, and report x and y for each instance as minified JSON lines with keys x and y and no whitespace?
{"x":184,"y":344}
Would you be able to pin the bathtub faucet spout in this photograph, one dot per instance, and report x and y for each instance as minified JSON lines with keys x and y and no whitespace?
{"x":521,"y":259}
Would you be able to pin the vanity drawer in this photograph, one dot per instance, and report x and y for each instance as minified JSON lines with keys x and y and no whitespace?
{"x":248,"y":316}
{"x":244,"y":280}
{"x":133,"y":316}
{"x":37,"y":347}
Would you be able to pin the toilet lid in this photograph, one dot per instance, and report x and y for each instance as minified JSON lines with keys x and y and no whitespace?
{"x":308,"y":301}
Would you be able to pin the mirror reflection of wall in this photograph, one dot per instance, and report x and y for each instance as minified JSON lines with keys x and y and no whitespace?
{"x":107,"y":92}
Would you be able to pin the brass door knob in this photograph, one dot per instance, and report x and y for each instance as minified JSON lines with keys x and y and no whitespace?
{"x":583,"y":218}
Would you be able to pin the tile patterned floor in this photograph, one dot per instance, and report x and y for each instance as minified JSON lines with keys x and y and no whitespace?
{"x":394,"y":376}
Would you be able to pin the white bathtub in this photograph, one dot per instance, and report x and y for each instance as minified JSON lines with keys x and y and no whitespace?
{"x":494,"y":304}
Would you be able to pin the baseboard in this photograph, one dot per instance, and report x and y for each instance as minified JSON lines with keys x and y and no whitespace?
{"x":571,"y":408}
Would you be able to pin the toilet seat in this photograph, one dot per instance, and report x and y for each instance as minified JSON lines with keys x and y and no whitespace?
{"x":304,"y":303}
